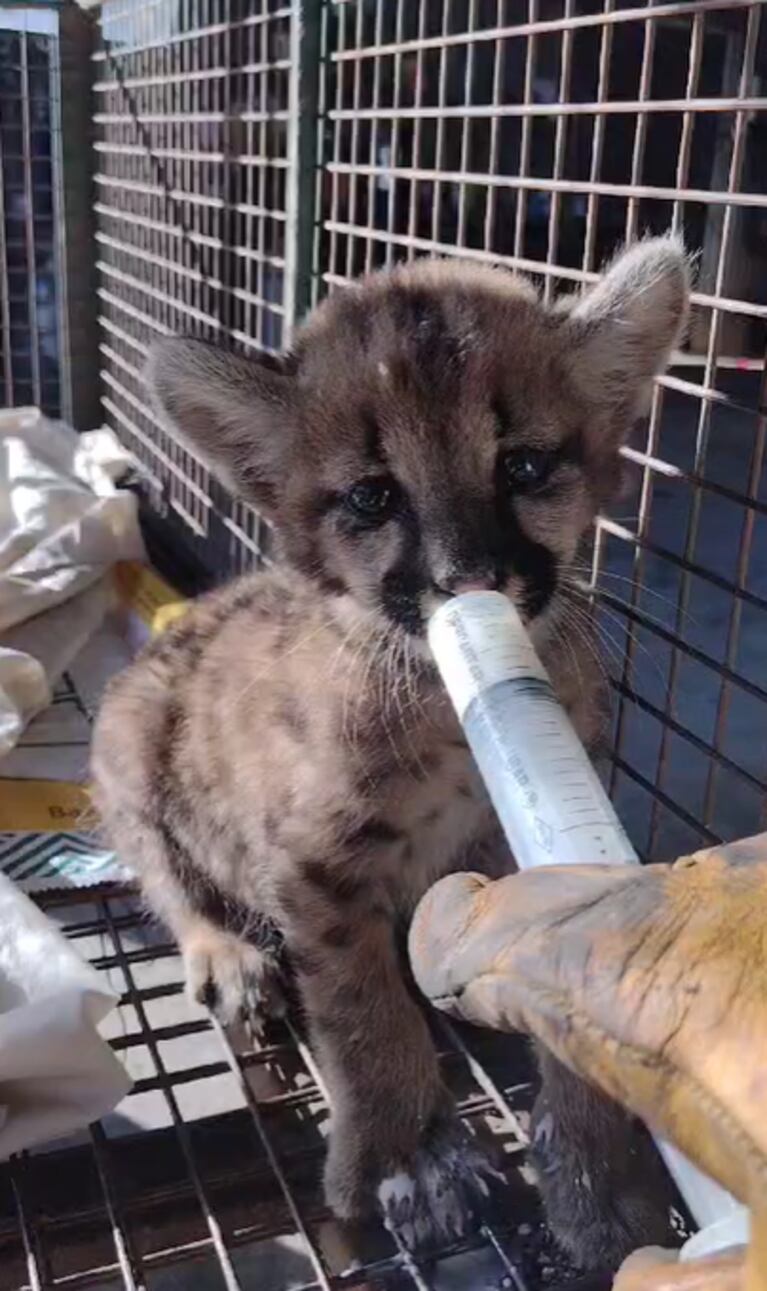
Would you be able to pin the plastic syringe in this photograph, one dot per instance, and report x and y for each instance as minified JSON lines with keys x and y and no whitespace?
{"x":548,"y":797}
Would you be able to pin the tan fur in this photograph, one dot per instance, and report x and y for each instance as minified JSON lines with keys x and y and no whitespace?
{"x":283,"y":763}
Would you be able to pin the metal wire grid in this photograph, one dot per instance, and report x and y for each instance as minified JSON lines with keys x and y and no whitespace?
{"x":193,"y":201}
{"x":540,"y":135}
{"x":30,"y":209}
{"x":225,"y":1189}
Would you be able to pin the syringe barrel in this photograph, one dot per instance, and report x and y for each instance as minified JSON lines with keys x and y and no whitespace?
{"x":543,"y":786}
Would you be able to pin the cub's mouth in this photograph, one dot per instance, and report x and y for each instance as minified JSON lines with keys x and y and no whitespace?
{"x":411,"y":614}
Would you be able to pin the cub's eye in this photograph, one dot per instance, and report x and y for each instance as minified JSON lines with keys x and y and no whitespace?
{"x":371,"y":500}
{"x":527,"y":468}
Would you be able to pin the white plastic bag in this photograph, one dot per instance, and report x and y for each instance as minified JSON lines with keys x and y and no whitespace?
{"x":63,"y":525}
{"x":56,"y":1071}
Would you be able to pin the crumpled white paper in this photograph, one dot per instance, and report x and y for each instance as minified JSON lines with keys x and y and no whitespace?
{"x":56,"y":1072}
{"x":63,"y":524}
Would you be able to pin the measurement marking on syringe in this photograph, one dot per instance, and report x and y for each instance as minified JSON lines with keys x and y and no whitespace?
{"x":596,"y":824}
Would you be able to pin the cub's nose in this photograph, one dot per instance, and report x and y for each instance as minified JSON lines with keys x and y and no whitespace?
{"x":476,"y":585}
{"x":453,"y":583}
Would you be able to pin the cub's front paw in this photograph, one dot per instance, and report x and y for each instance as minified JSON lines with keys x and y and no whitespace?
{"x":232,"y":978}
{"x":430,"y":1195}
{"x":439,"y":1191}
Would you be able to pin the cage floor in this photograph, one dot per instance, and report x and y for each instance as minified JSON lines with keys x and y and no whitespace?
{"x":208,"y":1174}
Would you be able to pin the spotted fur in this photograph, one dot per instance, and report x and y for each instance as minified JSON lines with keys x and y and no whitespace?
{"x":282,"y":766}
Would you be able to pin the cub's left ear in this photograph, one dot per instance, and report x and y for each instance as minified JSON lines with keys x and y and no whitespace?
{"x":624,"y":329}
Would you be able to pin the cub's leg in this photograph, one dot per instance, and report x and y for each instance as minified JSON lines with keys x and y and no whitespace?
{"x":395,"y":1141}
{"x":230,"y":952}
{"x":604,"y":1190}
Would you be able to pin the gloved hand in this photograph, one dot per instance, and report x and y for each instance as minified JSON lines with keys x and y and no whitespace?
{"x":649,"y":981}
{"x":656,"y":1270}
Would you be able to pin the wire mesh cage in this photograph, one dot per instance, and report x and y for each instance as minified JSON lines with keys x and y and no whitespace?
{"x":193,"y":185}
{"x":542,"y":136}
{"x":47,"y":279}
{"x":248,"y":157}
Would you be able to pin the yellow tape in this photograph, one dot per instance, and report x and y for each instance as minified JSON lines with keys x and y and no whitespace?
{"x":168,"y":614}
{"x":149,"y":596}
{"x":44,"y":805}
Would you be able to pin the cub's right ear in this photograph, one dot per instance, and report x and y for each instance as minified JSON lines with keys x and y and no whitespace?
{"x":235,"y":413}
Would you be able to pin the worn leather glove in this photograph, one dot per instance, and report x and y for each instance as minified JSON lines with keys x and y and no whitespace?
{"x":655,"y":1270}
{"x":649,"y":981}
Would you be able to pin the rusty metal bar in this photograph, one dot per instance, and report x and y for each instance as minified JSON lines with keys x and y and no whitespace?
{"x":29,"y":223}
{"x":190,"y":154}
{"x":172,"y":267}
{"x":525,"y":141}
{"x":680,"y":9}
{"x":497,"y":86}
{"x":374,"y":133}
{"x":709,"y":750}
{"x":335,"y":188}
{"x":640,"y":128}
{"x":395,"y":117}
{"x":439,"y":151}
{"x":662,"y":799}
{"x":622,"y":107}
{"x":468,"y":75}
{"x":688,"y":120}
{"x":193,"y":33}
{"x":564,"y":272}
{"x":703,"y":429}
{"x":172,"y":231}
{"x":745,"y":547}
{"x":179,"y":195}
{"x":597,"y":142}
{"x":560,"y":140}
{"x":544,"y":184}
{"x":5,"y":293}
{"x":301,"y":157}
{"x":417,"y":134}
{"x":354,"y":172}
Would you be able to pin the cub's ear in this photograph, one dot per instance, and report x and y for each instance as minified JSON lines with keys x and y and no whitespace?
{"x":623,"y":331}
{"x":235,"y":413}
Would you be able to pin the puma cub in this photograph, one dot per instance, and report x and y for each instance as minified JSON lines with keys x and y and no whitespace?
{"x":283,"y":764}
